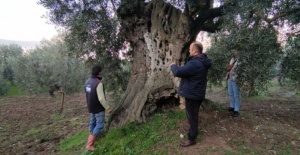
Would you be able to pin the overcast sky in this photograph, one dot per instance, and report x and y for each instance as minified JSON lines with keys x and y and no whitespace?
{"x":22,"y":20}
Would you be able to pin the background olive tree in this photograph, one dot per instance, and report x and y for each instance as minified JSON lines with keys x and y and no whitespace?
{"x":290,"y":66}
{"x":7,"y":52}
{"x":259,"y":52}
{"x":3,"y":84}
{"x":249,"y":30}
{"x":50,"y":64}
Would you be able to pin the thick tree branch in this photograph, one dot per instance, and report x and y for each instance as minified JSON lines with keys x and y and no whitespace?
{"x":209,"y":14}
{"x":211,"y":27}
{"x":204,"y":14}
{"x":280,"y":15}
{"x":201,"y":21}
{"x":195,"y":5}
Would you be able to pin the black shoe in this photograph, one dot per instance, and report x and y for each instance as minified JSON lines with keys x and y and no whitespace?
{"x":235,"y":114}
{"x":230,"y":109}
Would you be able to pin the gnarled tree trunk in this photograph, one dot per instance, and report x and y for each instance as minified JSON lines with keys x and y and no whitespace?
{"x":159,"y":34}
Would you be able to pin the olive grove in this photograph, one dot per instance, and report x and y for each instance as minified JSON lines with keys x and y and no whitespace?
{"x":159,"y":33}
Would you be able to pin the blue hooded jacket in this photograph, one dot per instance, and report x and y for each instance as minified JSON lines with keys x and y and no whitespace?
{"x":193,"y":77}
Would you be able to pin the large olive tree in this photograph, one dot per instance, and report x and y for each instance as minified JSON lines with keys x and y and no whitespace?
{"x":159,"y":33}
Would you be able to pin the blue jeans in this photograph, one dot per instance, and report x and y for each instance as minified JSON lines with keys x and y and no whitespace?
{"x":96,"y":122}
{"x":234,"y":95}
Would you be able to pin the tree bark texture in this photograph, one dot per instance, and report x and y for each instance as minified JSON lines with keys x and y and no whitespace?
{"x":159,"y":35}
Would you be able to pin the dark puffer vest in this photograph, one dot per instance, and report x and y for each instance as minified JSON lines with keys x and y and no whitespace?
{"x":93,"y":104}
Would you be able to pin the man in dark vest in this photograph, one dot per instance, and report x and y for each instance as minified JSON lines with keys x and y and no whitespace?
{"x":96,"y":104}
{"x":192,"y":87}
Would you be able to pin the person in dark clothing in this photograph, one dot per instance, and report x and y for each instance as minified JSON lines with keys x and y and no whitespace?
{"x":193,"y":87}
{"x":96,"y":104}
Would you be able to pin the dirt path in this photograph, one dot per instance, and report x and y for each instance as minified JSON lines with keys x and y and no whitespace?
{"x":32,"y":125}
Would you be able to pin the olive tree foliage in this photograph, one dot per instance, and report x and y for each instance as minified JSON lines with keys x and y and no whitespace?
{"x":6,"y":73}
{"x":7,"y":52}
{"x":3,"y":85}
{"x":47,"y":65}
{"x":250,"y":28}
{"x":92,"y":32}
{"x":290,"y":66}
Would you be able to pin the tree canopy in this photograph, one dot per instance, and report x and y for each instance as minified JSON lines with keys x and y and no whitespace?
{"x":253,"y":28}
{"x":6,"y":72}
{"x":92,"y":32}
{"x":290,"y":66}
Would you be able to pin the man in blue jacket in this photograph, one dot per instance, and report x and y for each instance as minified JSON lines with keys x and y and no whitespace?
{"x":193,"y":87}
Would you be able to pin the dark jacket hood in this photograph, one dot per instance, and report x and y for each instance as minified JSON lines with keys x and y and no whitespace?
{"x":205,"y":60}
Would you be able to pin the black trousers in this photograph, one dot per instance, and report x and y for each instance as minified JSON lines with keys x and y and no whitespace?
{"x":192,"y":111}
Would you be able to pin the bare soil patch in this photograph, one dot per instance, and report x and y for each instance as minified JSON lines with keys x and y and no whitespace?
{"x":32,"y":124}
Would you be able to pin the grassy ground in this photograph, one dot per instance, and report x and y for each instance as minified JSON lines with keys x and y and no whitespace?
{"x":133,"y":138}
{"x":14,"y":90}
{"x":268,"y":124}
